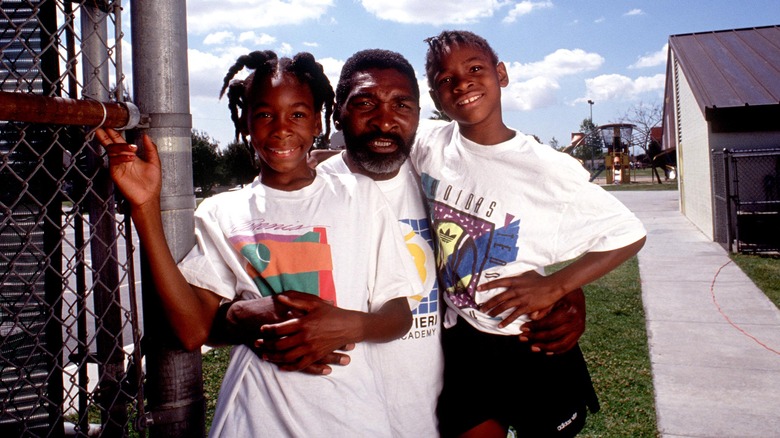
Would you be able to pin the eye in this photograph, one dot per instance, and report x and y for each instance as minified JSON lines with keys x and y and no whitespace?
{"x":299,"y":115}
{"x":443,"y":81}
{"x":476,"y":68}
{"x":361,"y":104}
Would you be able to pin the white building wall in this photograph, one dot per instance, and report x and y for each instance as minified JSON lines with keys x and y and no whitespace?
{"x":693,"y":159}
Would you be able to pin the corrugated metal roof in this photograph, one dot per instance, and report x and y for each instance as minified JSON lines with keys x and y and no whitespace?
{"x":731,"y":68}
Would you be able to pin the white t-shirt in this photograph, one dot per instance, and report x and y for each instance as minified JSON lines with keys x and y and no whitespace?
{"x":505,"y":209}
{"x":412,"y":367}
{"x":335,"y":238}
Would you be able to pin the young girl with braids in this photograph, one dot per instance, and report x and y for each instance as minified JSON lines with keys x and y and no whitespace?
{"x":325,"y":248}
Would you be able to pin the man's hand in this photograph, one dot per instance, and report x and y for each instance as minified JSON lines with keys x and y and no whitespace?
{"x":316,"y":333}
{"x":240,"y":322}
{"x":559,"y":330}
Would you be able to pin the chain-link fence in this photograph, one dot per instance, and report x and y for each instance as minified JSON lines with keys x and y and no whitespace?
{"x":746,"y":192}
{"x":69,"y":320}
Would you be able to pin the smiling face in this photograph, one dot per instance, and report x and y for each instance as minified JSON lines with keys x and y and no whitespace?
{"x":379,"y":118}
{"x":282,"y":124}
{"x":467,"y":87}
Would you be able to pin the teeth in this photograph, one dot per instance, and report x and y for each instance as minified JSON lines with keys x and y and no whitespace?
{"x":282,"y":151}
{"x":469,"y":100}
{"x":382,"y":143}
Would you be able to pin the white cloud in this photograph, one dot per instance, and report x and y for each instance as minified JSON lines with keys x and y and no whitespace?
{"x":208,"y":69}
{"x":257,"y":40}
{"x":206,"y":15}
{"x":218,"y":38}
{"x":599,"y":20}
{"x":619,"y":87}
{"x":652,"y":59}
{"x":562,"y":62}
{"x":332,"y":69}
{"x":536,"y":84}
{"x":525,"y":8}
{"x":538,"y":92}
{"x":425,"y":12}
{"x":311,"y":44}
{"x":634,"y":12}
{"x":284,"y":49}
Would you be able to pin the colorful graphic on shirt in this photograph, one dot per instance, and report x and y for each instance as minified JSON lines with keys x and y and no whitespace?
{"x":283,"y":262}
{"x":467,"y":245}
{"x":419,"y":242}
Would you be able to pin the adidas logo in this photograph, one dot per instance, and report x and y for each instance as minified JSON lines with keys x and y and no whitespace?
{"x":446,"y":237}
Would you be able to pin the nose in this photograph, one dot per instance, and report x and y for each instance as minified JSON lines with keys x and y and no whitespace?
{"x":384,"y":119}
{"x":460,"y":85}
{"x":280,"y":128}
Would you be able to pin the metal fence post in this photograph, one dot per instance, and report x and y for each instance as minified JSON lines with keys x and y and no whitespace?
{"x":161,"y":90}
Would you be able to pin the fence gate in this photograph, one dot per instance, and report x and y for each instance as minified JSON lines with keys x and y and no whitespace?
{"x":746,"y":194}
{"x":69,"y":324}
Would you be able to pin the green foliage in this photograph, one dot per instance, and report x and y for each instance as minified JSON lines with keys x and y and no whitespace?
{"x":205,"y":161}
{"x":238,"y":166}
{"x":615,"y":346}
{"x":591,"y":148}
{"x":215,"y":364}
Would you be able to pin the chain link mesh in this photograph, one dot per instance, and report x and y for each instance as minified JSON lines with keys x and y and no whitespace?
{"x":746,"y":194}
{"x":69,"y":319}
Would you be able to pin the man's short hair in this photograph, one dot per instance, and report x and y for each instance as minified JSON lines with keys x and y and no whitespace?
{"x":372,"y":58}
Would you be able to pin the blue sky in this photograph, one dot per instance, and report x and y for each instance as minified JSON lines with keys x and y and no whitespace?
{"x":559,"y":53}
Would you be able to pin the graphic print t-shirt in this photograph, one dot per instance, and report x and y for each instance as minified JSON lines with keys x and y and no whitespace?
{"x":506,"y":209}
{"x":412,"y":367}
{"x":335,"y":238}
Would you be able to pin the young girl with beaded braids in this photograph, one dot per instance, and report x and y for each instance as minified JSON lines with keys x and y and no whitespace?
{"x":324,"y":248}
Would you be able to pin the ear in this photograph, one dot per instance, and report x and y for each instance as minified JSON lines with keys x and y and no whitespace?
{"x":503,"y":76}
{"x":337,"y":117}
{"x":435,"y":99}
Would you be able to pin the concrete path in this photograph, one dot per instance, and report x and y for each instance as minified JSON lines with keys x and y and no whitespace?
{"x":714,"y":336}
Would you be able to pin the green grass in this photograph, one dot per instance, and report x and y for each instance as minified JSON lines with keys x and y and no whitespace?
{"x":215,"y":364}
{"x":614,"y":344}
{"x":666,"y":185}
{"x":615,"y":347}
{"x":764,"y":270}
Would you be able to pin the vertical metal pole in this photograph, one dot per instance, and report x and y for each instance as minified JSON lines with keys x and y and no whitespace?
{"x":102,"y":218}
{"x":161,"y":90}
{"x":730,"y":226}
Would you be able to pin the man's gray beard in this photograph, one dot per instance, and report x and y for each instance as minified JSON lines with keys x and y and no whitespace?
{"x":378,"y":164}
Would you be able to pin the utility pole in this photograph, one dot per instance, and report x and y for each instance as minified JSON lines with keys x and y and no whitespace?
{"x":590,"y":146}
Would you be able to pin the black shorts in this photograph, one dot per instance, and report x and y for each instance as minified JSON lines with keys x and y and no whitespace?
{"x":497,"y":377}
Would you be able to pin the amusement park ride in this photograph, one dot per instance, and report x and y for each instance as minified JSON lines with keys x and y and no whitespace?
{"x":617,"y":138}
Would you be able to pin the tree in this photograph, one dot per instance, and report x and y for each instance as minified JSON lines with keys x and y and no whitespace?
{"x":205,"y":161}
{"x":555,"y":144}
{"x":644,"y":116}
{"x":237,"y":164}
{"x":591,"y":146}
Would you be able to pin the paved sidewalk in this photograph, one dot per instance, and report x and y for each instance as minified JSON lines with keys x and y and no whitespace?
{"x":714,"y":336}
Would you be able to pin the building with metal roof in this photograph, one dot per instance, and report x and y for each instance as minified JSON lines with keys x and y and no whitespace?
{"x":721,"y":103}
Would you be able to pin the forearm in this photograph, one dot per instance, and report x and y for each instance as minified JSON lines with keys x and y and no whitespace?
{"x":390,"y":322}
{"x":592,"y":266}
{"x":190,"y":311}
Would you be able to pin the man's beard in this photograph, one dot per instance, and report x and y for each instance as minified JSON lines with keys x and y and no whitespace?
{"x":377,"y":163}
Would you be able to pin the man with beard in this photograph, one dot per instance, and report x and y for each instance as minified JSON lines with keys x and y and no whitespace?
{"x":378,"y":111}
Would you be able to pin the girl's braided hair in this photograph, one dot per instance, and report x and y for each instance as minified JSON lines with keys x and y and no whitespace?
{"x":241,"y":93}
{"x":449,"y":38}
